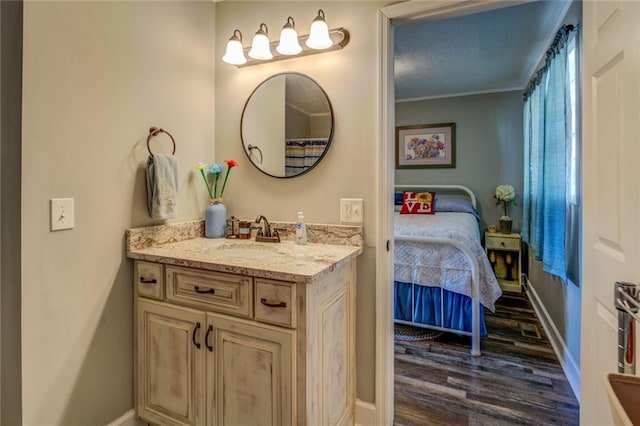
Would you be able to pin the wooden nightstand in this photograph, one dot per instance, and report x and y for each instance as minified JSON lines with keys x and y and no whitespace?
{"x":504,"y":253}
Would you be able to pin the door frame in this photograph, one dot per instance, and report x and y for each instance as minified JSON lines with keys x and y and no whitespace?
{"x":11,"y":19}
{"x":411,"y":10}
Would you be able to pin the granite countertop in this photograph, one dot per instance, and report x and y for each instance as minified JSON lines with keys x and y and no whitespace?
{"x":284,"y":261}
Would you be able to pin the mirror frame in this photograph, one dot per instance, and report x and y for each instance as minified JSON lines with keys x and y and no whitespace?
{"x":330,"y":138}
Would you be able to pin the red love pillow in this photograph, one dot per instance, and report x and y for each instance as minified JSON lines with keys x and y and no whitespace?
{"x":418,"y":202}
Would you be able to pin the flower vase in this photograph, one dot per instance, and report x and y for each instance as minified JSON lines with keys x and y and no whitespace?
{"x":505,"y":226}
{"x":215,"y":220}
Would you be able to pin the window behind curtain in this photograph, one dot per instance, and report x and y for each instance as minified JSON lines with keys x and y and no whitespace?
{"x":552,"y":169}
{"x":575,"y":189}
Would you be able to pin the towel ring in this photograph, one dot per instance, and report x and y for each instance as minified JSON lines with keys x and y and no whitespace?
{"x":252,"y":147}
{"x":154,"y":131}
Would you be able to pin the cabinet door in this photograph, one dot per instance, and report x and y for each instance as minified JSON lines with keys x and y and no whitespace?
{"x":170,"y":385}
{"x":250,"y":373}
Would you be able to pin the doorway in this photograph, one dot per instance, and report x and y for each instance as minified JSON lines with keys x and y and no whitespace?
{"x":389,"y":16}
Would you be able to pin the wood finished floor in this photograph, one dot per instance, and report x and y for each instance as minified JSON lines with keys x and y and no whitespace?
{"x":516,"y":381}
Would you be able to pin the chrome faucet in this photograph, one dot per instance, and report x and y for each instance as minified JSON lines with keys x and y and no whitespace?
{"x":267,"y":227}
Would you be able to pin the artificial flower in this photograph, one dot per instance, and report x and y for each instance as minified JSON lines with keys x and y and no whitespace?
{"x":201,"y":166}
{"x":215,"y":170}
{"x":230,"y":165}
{"x":506,"y":195}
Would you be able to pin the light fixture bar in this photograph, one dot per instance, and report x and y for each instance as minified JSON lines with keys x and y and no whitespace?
{"x":340,"y":38}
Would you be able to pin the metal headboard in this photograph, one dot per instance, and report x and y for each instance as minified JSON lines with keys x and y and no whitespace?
{"x":452,"y":188}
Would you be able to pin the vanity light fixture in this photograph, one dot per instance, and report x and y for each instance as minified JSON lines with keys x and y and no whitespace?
{"x":319,"y":33}
{"x":260,"y":48}
{"x":235,"y":52}
{"x":289,"y":39}
{"x":319,"y":40}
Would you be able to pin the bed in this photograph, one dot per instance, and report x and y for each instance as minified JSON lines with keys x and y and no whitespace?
{"x":442,"y":277}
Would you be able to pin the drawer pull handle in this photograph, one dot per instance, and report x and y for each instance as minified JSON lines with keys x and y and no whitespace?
{"x":206,"y":338}
{"x":143,"y":280}
{"x":193,"y":336}
{"x":205,"y":291}
{"x":273,"y":305}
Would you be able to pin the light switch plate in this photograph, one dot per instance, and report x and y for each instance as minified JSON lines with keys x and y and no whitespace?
{"x":351,"y":210}
{"x":62,"y":214}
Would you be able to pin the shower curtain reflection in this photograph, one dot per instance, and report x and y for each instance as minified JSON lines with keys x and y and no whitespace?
{"x":301,"y":154}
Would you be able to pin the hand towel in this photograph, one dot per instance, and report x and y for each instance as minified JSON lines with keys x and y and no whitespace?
{"x":162,"y":186}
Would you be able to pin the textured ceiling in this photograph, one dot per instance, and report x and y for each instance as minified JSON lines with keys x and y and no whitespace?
{"x":305,"y":95}
{"x":484,"y":52}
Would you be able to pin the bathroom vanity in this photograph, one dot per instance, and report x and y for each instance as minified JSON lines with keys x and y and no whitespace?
{"x":235,"y":332}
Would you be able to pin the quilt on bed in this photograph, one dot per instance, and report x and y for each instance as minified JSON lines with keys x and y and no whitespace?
{"x":437,"y":265}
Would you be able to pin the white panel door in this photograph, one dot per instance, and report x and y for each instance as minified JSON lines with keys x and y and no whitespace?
{"x":611,"y":187}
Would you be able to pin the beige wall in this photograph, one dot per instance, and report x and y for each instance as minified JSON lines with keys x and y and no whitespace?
{"x":97,"y":75}
{"x":267,"y":126}
{"x":349,"y":78}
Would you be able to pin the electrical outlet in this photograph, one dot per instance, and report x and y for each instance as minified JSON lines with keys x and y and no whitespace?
{"x":62,"y":214}
{"x":351,"y":210}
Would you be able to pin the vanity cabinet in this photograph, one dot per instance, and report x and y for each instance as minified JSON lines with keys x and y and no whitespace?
{"x":249,"y":368}
{"x":170,"y":380}
{"x":228,"y":349}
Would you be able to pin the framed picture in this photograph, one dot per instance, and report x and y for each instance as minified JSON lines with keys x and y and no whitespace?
{"x":426,"y":146}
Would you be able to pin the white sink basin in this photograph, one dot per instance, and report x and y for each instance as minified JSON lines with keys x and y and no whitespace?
{"x":624,"y":395}
{"x":246,"y":250}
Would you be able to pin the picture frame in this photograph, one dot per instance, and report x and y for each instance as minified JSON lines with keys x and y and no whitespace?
{"x":426,"y":146}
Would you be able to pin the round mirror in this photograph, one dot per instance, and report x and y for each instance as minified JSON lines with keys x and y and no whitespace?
{"x":287,"y":125}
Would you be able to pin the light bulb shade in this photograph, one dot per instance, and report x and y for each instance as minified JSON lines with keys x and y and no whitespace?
{"x":319,"y":33}
{"x":289,"y":44}
{"x":260,"y":48}
{"x":235,"y":51}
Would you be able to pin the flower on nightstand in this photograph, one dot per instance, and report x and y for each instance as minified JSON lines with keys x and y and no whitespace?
{"x":505,"y":195}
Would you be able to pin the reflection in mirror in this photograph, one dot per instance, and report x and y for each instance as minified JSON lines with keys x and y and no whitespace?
{"x":287,"y":125}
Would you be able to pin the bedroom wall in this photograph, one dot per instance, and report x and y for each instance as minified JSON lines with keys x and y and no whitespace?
{"x":561,"y":303}
{"x":488,"y":146}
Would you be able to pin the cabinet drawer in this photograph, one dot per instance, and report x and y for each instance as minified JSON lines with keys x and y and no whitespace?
{"x":502,"y":243}
{"x":212,"y":291}
{"x":275,"y":302}
{"x":149,"y":279}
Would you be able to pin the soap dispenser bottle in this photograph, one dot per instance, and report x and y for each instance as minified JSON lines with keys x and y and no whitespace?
{"x":301,"y":230}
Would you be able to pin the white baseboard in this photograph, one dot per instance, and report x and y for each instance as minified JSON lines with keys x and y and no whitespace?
{"x":365,"y":413}
{"x":128,"y":419}
{"x":569,"y":366}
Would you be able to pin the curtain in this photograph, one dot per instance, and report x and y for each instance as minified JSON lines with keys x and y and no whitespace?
{"x":547,"y":136}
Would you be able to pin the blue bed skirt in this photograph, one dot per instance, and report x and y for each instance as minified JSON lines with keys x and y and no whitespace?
{"x":457,"y":307}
